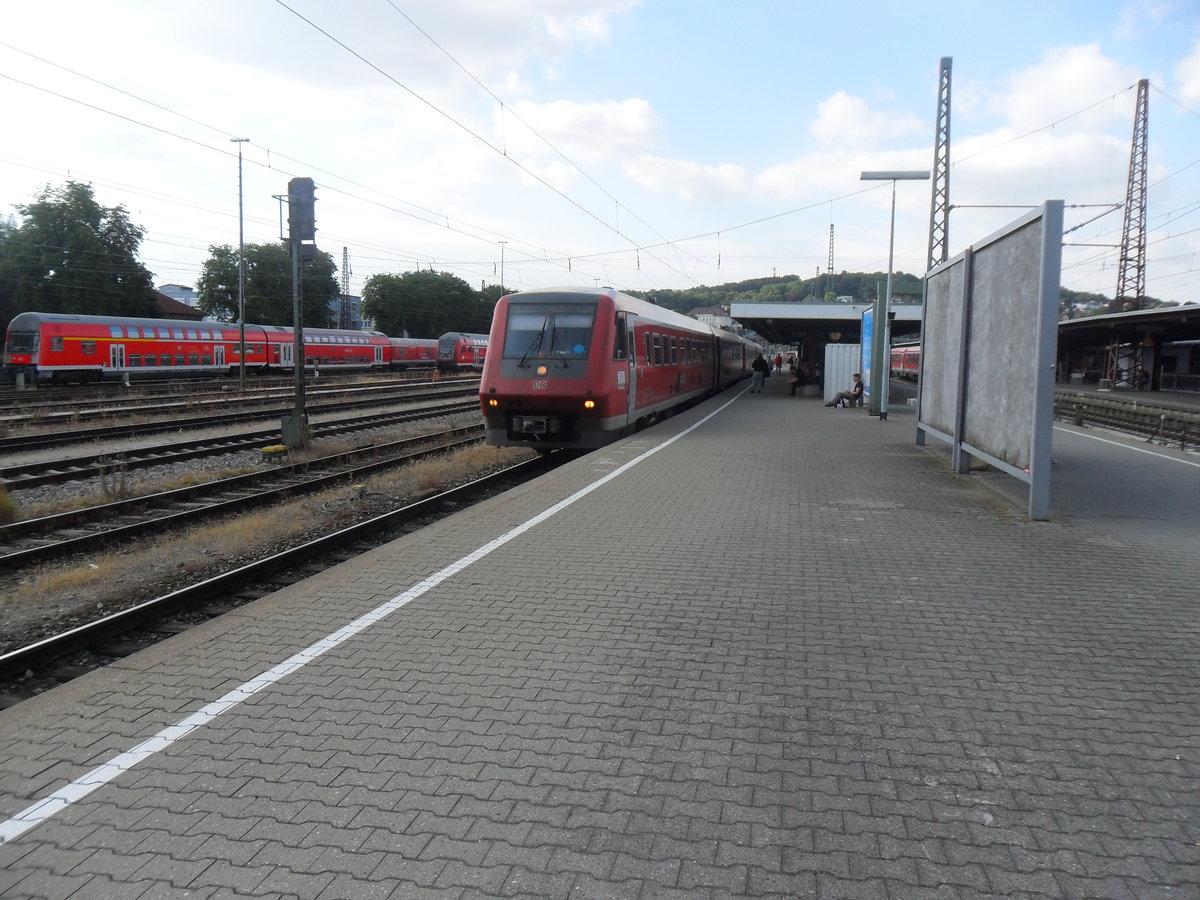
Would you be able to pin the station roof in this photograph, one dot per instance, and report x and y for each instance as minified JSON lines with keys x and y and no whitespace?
{"x":790,"y":323}
{"x":1170,"y":323}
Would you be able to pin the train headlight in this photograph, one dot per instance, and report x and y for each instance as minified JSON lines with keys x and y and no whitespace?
{"x":493,"y":402}
{"x":589,"y":404}
{"x":541,"y":370}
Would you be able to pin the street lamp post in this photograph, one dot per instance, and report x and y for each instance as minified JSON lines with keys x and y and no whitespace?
{"x":881,"y":327}
{"x":241,"y":274}
{"x":502,"y":243}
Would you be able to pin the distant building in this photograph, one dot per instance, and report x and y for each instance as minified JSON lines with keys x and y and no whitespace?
{"x":173,"y":309}
{"x":717,"y":316}
{"x":346,"y":313}
{"x":180,"y":292}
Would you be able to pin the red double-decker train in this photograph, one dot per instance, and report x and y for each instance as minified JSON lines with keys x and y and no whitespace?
{"x":61,"y":348}
{"x":579,"y":368}
{"x":458,"y":350}
{"x":906,"y":361}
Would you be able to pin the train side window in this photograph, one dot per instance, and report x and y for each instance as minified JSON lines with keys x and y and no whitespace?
{"x":151,"y":359}
{"x":179,"y":359}
{"x":87,"y":347}
{"x":674,"y":351}
{"x":193,"y":359}
{"x":164,"y":334}
{"x":115,"y":331}
{"x":56,"y":342}
{"x":178,"y":333}
{"x":620,"y":348}
{"x":206,"y":359}
{"x":135,"y":360}
{"x":658,"y":350}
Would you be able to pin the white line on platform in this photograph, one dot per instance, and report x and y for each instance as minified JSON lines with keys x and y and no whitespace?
{"x":1186,"y":462}
{"x":81,"y":787}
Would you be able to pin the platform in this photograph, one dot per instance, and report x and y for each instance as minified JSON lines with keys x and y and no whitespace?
{"x":765,"y":648}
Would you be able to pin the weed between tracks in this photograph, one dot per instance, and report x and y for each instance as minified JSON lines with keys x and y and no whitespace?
{"x":48,"y":599}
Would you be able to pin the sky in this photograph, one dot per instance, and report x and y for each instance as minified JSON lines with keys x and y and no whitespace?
{"x":638,"y":144}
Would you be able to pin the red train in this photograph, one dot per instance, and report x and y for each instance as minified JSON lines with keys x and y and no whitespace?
{"x":458,"y":350}
{"x":581,"y":367}
{"x":53,"y":347}
{"x":906,"y":361}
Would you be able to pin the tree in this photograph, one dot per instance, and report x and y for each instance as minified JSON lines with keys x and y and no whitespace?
{"x":70,"y":254}
{"x":268,"y":293}
{"x":424,"y":304}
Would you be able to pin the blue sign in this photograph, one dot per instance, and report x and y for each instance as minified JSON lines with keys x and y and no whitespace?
{"x":868,"y":329}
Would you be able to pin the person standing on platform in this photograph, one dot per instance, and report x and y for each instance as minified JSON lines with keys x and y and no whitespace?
{"x":778,"y":363}
{"x":760,"y":368}
{"x":850,"y":397}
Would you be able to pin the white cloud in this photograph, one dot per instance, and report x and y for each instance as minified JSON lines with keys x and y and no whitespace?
{"x":594,"y":131}
{"x":1187,"y":73}
{"x":849,"y":122}
{"x":1062,"y":85}
{"x":686,"y":179}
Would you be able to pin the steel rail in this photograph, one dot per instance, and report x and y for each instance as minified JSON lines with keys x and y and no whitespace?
{"x":175,"y":517}
{"x":37,"y":655}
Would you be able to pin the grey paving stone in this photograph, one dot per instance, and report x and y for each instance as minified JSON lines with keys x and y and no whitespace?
{"x":811,"y":664}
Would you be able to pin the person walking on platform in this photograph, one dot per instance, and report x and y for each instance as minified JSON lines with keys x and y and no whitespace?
{"x":778,"y":363}
{"x":850,"y":397}
{"x":760,"y":367}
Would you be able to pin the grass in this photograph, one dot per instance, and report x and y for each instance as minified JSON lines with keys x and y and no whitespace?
{"x":8,"y":509}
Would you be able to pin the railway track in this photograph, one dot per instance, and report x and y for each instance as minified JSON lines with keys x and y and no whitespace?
{"x":37,"y":441}
{"x":55,"y":537}
{"x":16,"y":400}
{"x":30,"y":669}
{"x":1168,"y":425}
{"x":75,"y":410}
{"x":99,"y":465}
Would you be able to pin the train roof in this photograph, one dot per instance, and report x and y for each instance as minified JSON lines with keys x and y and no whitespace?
{"x":642,"y":308}
{"x":32,"y":319}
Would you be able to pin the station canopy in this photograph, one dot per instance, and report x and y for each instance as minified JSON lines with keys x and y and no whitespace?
{"x":794,"y":323}
{"x":1166,"y":324}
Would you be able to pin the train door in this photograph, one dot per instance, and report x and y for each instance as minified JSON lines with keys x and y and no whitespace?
{"x":219,"y":355}
{"x":627,"y":374}
{"x":378,"y":354}
{"x":116,"y":357}
{"x":285,"y":355}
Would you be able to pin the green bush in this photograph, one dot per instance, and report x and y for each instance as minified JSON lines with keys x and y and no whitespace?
{"x":8,"y":509}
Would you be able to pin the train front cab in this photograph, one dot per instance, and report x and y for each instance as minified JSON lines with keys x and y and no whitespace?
{"x":558,"y":374}
{"x":21,"y":349}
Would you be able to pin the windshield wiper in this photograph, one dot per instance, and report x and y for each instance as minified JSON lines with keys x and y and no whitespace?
{"x":537,"y":342}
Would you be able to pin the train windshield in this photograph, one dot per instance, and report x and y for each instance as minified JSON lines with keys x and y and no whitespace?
{"x":548,"y":331}
{"x":22,"y":341}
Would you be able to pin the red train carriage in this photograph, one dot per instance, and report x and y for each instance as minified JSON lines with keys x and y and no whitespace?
{"x":406,"y":352}
{"x":579,"y":367}
{"x":906,"y":361}
{"x":53,"y":347}
{"x":458,"y":350}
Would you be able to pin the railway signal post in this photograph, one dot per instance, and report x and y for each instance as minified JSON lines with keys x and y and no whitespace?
{"x":302,"y":234}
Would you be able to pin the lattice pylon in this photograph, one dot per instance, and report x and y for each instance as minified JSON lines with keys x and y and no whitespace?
{"x":1131,"y":268}
{"x":939,"y":206}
